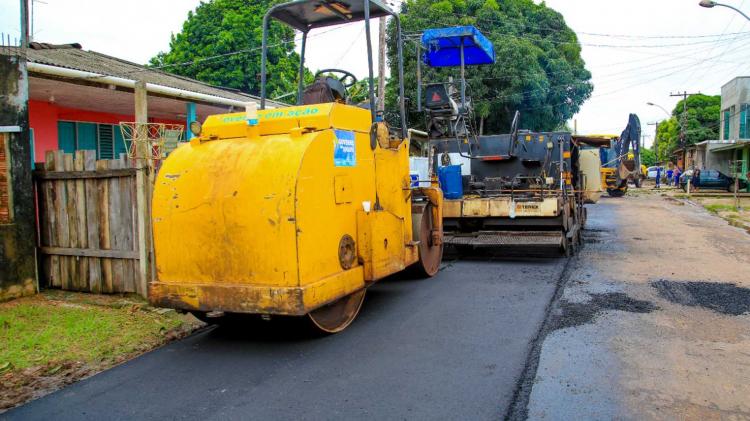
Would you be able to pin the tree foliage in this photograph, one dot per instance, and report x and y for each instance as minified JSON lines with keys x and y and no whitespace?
{"x":703,"y":117}
{"x":222,"y":28}
{"x":648,"y":158}
{"x":539,"y":69}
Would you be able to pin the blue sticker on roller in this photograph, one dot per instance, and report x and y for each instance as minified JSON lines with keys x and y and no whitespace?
{"x":344,"y":149}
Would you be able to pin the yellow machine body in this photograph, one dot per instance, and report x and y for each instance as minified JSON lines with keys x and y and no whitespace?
{"x":500,"y":207}
{"x":255,"y":219}
{"x":590,"y":164}
{"x":609,"y":178}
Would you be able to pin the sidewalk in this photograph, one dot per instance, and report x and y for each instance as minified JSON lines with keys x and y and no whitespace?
{"x":653,"y":321}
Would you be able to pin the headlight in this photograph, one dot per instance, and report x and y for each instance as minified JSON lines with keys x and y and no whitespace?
{"x":195,"y":128}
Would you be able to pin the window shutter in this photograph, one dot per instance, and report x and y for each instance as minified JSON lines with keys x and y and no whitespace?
{"x":743,"y":121}
{"x":66,"y":136}
{"x":119,"y":141}
{"x":726,"y":125}
{"x":106,"y":142}
{"x":86,"y":136}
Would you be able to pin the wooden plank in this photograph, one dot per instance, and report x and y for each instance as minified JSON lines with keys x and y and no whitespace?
{"x":88,"y":252}
{"x":72,"y":214}
{"x":103,"y":216}
{"x":83,"y":263}
{"x":115,"y":228}
{"x":125,"y":231}
{"x":49,"y":219}
{"x":43,"y":267}
{"x":83,"y":174}
{"x":142,"y":223}
{"x":92,"y":222}
{"x":59,"y":207}
{"x":121,"y":229}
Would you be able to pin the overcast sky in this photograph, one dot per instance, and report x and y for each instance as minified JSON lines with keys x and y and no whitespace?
{"x":637,"y":50}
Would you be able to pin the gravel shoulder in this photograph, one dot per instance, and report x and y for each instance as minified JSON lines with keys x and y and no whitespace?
{"x":653,"y":321}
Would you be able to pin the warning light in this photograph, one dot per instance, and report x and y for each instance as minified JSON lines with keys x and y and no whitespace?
{"x":436,"y":97}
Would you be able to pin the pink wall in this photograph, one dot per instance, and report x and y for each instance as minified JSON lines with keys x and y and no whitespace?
{"x":43,"y":118}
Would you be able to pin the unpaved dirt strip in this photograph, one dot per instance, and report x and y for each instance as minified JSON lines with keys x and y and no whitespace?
{"x":653,"y":321}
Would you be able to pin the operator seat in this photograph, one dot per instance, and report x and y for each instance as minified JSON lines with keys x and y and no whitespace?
{"x":325,"y":89}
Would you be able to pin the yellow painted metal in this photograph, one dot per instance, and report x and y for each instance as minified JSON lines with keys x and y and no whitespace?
{"x":250,"y":218}
{"x":500,"y":207}
{"x":452,"y":208}
{"x":590,"y":163}
{"x":608,"y":176}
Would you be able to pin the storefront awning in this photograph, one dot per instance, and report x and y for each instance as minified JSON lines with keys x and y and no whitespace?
{"x":730,"y":146}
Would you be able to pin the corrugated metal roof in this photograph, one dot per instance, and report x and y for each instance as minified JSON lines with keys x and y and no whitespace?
{"x":71,"y":56}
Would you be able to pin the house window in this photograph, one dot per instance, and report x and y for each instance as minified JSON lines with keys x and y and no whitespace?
{"x":105,"y":139}
{"x":743,"y":121}
{"x":6,"y":207}
{"x":727,"y":116}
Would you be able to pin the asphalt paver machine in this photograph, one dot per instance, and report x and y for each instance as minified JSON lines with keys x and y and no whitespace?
{"x":296,"y":210}
{"x":521,"y":189}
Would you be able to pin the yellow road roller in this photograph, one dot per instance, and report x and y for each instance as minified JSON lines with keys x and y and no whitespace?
{"x":293,"y":211}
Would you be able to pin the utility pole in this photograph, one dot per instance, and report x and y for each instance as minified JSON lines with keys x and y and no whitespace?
{"x":381,"y":65}
{"x":683,"y":126}
{"x":24,"y":24}
{"x":656,"y":138}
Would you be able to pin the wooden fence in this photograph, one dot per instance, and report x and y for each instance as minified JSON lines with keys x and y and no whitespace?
{"x":94,"y":228}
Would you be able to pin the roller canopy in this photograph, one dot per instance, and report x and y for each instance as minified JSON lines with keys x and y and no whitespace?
{"x":304,"y":15}
{"x":442,"y":47}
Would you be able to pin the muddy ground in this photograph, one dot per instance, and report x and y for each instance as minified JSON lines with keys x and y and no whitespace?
{"x":652,"y":320}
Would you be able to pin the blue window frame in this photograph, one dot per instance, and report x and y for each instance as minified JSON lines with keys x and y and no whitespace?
{"x":105,"y":139}
{"x":727,"y":115}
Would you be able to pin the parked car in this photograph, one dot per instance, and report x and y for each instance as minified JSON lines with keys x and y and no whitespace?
{"x":711,"y":179}
{"x":651,"y":171}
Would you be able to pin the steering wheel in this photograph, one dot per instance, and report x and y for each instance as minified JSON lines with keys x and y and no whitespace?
{"x":346,"y":78}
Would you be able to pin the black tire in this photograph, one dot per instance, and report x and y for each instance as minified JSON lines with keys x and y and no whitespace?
{"x":616,"y":192}
{"x":568,"y":247}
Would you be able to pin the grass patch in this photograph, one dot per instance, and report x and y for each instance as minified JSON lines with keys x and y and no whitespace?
{"x":58,"y":327}
{"x":55,"y":338}
{"x":716,"y":208}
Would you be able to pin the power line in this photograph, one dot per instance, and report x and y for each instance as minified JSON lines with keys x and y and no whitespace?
{"x":722,"y":35}
{"x":228,"y":54}
{"x":547,"y":28}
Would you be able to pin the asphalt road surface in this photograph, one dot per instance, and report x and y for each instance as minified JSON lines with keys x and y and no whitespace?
{"x":450,"y":347}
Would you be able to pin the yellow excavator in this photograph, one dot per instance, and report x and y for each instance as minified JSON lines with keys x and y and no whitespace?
{"x":619,"y":164}
{"x":294,"y":211}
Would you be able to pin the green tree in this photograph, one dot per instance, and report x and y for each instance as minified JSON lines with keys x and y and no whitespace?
{"x":207,"y":48}
{"x":703,"y":117}
{"x":648,"y":157}
{"x":539,"y":69}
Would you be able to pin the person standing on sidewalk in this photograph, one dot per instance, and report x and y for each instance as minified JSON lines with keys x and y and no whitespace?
{"x":670,"y":172}
{"x":677,"y":176}
{"x":658,"y":176}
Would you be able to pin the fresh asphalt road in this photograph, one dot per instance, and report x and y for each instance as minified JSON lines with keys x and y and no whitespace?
{"x":450,"y":347}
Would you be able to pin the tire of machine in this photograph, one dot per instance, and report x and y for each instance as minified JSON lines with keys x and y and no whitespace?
{"x":336,"y":316}
{"x":616,"y":192}
{"x":430,"y":256}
